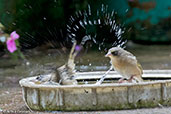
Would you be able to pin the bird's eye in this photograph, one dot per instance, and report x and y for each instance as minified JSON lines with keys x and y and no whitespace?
{"x":115,"y":53}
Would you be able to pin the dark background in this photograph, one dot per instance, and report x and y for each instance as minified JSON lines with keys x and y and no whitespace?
{"x":41,"y":21}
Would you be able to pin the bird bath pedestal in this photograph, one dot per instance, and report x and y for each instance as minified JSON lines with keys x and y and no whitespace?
{"x":107,"y":96}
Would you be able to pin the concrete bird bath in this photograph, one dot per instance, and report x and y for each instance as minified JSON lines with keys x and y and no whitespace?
{"x":107,"y":96}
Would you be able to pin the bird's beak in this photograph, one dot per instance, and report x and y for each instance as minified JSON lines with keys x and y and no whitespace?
{"x":108,"y":54}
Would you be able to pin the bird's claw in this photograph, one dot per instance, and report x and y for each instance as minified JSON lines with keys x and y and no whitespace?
{"x":122,"y":80}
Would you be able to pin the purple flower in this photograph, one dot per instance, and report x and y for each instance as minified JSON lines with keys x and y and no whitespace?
{"x":77,"y":48}
{"x":11,"y":46}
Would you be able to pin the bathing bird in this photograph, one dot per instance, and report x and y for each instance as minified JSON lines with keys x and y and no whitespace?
{"x":64,"y":74}
{"x":126,"y":64}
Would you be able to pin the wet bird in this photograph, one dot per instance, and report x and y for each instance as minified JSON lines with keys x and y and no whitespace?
{"x":126,"y":64}
{"x":63,"y":75}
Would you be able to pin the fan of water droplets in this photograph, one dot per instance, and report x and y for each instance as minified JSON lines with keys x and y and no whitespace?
{"x":100,"y":28}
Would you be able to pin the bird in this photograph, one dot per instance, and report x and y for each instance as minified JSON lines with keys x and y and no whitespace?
{"x":63,"y":75}
{"x":125,"y":64}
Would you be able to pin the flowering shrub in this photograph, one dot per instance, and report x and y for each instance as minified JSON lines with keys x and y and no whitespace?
{"x":11,"y":42}
{"x":11,"y":45}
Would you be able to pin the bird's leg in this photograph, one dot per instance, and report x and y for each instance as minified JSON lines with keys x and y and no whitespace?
{"x":121,"y":80}
{"x":130,"y":79}
{"x":134,"y":77}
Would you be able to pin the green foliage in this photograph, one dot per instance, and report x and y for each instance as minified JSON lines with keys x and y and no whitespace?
{"x":38,"y":17}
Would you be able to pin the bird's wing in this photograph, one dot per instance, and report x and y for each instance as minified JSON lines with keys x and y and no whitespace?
{"x":133,"y":59}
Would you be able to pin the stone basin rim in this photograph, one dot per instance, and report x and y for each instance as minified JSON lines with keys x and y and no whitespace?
{"x":108,"y":96}
{"x":26,"y":82}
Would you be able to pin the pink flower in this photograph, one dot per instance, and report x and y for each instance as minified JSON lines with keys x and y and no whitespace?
{"x":14,"y":35}
{"x":11,"y":46}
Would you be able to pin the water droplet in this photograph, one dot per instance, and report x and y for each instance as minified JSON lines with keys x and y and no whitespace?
{"x":72,"y":18}
{"x":114,"y":27}
{"x":105,"y":22}
{"x":73,"y":34}
{"x":30,"y":6}
{"x":97,"y":12}
{"x":44,"y":18}
{"x":71,"y":21}
{"x":7,"y":12}
{"x":143,"y":28}
{"x":74,"y":29}
{"x":85,"y":22}
{"x":70,"y":36}
{"x":80,"y":13}
{"x":77,"y":14}
{"x":112,"y":13}
{"x":119,"y":37}
{"x":27,"y":63}
{"x":76,"y":26}
{"x":85,"y":14}
{"x":115,"y":43}
{"x":122,"y":43}
{"x":102,"y":8}
{"x":113,"y":21}
{"x":106,"y":7}
{"x":81,"y":23}
{"x":99,"y":47}
{"x":21,"y":11}
{"x":98,"y":21}
{"x":119,"y":41}
{"x":90,"y":22}
{"x":85,"y":38}
{"x":119,"y":32}
{"x":14,"y":24}
{"x":89,"y":10}
{"x":68,"y":30}
{"x":86,"y":82}
{"x":68,"y":27}
{"x":126,"y":10}
{"x":95,"y":22}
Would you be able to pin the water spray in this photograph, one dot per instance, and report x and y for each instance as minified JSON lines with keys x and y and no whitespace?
{"x":100,"y":28}
{"x":104,"y":76}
